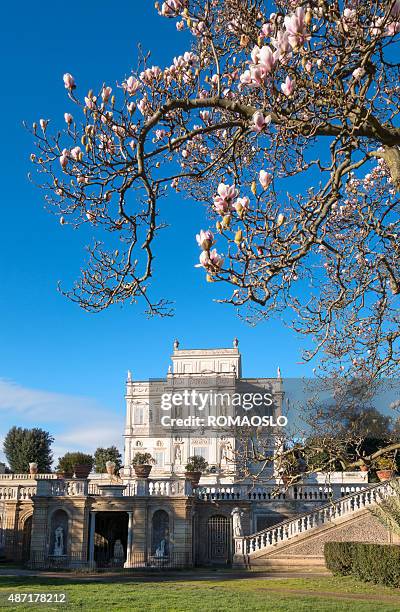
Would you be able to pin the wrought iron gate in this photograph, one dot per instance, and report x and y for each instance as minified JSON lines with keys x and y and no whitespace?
{"x":219,"y":538}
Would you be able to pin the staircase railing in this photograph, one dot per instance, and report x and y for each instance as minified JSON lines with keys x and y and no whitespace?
{"x":288,"y":529}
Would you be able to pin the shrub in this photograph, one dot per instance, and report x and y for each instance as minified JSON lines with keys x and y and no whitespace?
{"x":68,"y":462}
{"x":339,"y":557}
{"x":142,"y":459}
{"x":377,"y":563}
{"x":196,"y":464}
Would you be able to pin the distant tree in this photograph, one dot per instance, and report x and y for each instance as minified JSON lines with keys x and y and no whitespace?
{"x":68,"y":462}
{"x":23,"y":446}
{"x":102,"y":455}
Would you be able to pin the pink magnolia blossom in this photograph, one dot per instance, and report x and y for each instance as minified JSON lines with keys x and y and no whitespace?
{"x":68,"y":118}
{"x":260,"y":122}
{"x":171,"y":8}
{"x":296,"y":28}
{"x":131,"y":85}
{"x":64,"y":158}
{"x":358,"y":73}
{"x":288,"y":87}
{"x":105,"y":94}
{"x":245,"y":78}
{"x":205,"y":239}
{"x":267,"y":58}
{"x":266,"y":30}
{"x":393,"y":28}
{"x":211,"y":261}
{"x":395,"y":10}
{"x":226,"y":195}
{"x":241,"y":205}
{"x":90,"y":102}
{"x":43,"y":124}
{"x":281,"y":43}
{"x":265,"y":179}
{"x":76,"y":153}
{"x":69,"y":81}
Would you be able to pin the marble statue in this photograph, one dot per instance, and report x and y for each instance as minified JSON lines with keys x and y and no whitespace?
{"x":237,"y":515}
{"x":178,"y":454}
{"x":118,"y":551}
{"x":161,"y":549}
{"x":58,"y":542}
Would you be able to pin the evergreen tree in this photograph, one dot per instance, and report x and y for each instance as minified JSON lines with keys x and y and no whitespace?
{"x":22,"y":446}
{"x":107,"y":454}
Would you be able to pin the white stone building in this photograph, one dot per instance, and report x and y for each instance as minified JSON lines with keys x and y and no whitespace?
{"x":202,"y":370}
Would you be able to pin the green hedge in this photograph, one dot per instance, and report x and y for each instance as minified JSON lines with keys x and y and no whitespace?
{"x":378,"y":563}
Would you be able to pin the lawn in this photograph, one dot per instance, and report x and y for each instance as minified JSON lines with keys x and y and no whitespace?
{"x":206,"y":594}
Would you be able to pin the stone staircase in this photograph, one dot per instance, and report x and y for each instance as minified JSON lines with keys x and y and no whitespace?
{"x":270,"y":547}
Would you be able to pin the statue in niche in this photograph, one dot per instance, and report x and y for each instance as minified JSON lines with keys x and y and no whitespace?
{"x":161,"y":550}
{"x":178,"y":454}
{"x":225,"y":452}
{"x":237,"y":515}
{"x":58,"y":542}
{"x":119,"y":554}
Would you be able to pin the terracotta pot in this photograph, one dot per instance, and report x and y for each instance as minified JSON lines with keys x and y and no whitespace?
{"x":194,"y":477}
{"x":364,"y":468}
{"x":110,"y":467}
{"x":142,"y":471}
{"x":33,"y":468}
{"x":82,"y":470}
{"x":285,"y":479}
{"x":385,"y":474}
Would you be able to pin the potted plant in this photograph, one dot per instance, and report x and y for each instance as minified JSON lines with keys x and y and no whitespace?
{"x":194,"y":468}
{"x":385,"y":468}
{"x":75,"y":464}
{"x":142,"y":464}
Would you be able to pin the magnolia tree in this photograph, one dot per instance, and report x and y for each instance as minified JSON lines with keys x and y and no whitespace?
{"x":290,"y":118}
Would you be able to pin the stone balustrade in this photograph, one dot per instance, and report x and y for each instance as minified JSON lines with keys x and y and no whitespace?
{"x":272,"y":492}
{"x":300,"y":524}
{"x":16,"y":477}
{"x":142,"y":487}
{"x":170,"y":488}
{"x":17,"y":492}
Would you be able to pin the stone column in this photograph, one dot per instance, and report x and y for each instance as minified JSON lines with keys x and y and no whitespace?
{"x":92,"y":531}
{"x":128,"y":562}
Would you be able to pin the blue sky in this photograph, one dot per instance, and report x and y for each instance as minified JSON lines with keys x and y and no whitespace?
{"x":61,"y":368}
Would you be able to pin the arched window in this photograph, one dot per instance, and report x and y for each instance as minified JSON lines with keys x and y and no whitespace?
{"x":59,"y":534}
{"x":160,"y":534}
{"x":26,"y":539}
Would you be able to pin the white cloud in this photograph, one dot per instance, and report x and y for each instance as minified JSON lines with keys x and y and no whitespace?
{"x":76,"y":422}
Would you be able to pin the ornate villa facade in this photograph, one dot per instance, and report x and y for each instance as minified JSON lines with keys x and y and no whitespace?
{"x":165,"y":521}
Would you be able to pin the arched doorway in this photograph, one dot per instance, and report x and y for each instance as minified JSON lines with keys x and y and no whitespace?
{"x":160,"y":534}
{"x":219,"y":539}
{"x":26,"y":539}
